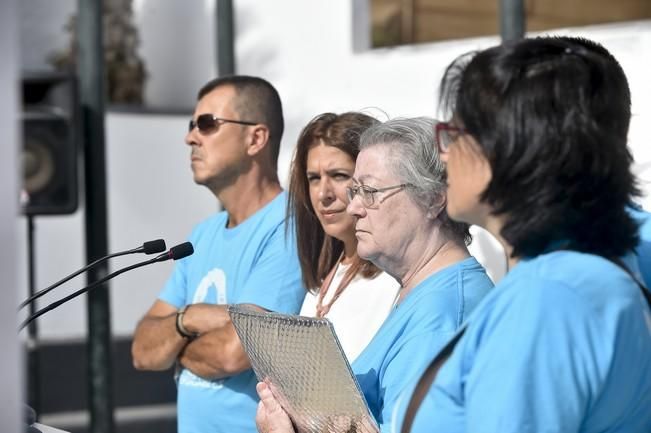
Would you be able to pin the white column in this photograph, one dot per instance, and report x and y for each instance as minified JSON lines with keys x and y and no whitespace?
{"x":11,"y":375}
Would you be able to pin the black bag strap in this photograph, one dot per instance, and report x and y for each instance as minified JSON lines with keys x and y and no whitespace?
{"x":427,"y":378}
{"x":645,"y":290}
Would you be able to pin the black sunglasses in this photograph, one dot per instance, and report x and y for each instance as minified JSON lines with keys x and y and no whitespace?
{"x":207,"y":123}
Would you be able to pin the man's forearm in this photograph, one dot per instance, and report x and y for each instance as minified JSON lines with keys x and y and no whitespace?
{"x":156,"y":344}
{"x":215,"y":354}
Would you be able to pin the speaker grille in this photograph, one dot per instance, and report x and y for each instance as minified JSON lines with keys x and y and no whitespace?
{"x":49,"y":156}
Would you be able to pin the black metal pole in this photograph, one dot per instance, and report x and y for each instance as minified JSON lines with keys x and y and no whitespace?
{"x":91,"y":96}
{"x":33,"y":378}
{"x":225,"y":38}
{"x":512,"y":20}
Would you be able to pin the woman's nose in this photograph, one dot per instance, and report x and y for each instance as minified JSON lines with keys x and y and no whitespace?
{"x":355,"y":207}
{"x":326,"y":193}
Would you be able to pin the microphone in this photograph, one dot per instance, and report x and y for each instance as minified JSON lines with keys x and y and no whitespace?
{"x":149,"y":247}
{"x":178,"y":252}
{"x":175,"y":253}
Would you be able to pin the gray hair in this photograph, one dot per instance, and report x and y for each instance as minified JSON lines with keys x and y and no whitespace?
{"x":415,"y":156}
{"x":415,"y":160}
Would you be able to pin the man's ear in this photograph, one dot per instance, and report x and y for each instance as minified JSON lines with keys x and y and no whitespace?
{"x":437,"y":206}
{"x":258,"y":139}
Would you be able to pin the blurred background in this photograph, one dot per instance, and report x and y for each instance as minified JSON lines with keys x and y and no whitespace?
{"x":384,"y":57}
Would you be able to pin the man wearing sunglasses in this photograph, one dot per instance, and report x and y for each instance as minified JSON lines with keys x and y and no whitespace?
{"x":242,"y":256}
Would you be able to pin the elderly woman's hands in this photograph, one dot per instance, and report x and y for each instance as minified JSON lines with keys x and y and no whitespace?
{"x":271,"y":417}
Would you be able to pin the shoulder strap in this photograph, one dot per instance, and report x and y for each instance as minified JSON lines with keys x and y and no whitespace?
{"x":645,"y":291}
{"x":426,"y":380}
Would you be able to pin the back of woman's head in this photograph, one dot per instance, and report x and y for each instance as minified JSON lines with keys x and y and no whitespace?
{"x":318,"y":252}
{"x":415,"y":161}
{"x":551,"y":116}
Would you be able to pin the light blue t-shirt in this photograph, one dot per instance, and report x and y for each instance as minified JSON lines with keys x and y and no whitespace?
{"x":643,"y":250}
{"x":562,"y":344}
{"x":415,"y":331}
{"x":251,"y":263}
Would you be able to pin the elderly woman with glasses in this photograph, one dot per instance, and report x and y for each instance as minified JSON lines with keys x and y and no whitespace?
{"x":398,"y":199}
{"x":563,"y":342}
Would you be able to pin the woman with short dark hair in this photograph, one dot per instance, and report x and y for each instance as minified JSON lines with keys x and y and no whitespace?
{"x":536,"y":154}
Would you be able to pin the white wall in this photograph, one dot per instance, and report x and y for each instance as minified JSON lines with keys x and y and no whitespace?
{"x":11,"y":372}
{"x":178,"y":47}
{"x":306,"y":50}
{"x":151,"y":195}
{"x":41,"y":24}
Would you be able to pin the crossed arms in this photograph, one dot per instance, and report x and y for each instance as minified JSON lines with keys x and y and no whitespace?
{"x":216,"y":353}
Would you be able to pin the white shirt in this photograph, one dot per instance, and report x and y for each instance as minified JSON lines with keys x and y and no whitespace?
{"x":360,"y":310}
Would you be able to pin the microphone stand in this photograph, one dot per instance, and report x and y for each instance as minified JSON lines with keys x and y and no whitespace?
{"x":88,"y":288}
{"x":33,"y":378}
{"x":174,"y":253}
{"x":33,"y":355}
{"x":155,"y":248}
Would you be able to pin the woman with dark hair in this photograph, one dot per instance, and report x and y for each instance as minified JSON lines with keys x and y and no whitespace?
{"x":351,"y":292}
{"x":536,"y":153}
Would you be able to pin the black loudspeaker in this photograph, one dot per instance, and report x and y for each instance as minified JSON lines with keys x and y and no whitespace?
{"x":50,"y":144}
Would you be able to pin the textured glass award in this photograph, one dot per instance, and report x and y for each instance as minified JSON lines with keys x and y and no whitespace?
{"x":301,"y":360}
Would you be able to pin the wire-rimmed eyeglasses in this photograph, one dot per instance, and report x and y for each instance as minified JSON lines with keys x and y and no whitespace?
{"x":367,"y":193}
{"x":446,"y":134}
{"x":209,"y":123}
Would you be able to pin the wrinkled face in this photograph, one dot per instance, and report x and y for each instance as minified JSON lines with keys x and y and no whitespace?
{"x":218,"y":156}
{"x":386,"y":229}
{"x":329,"y":172}
{"x":468,"y":175}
